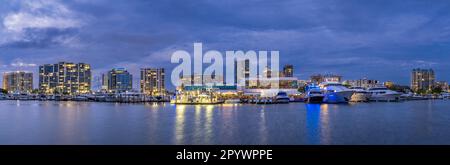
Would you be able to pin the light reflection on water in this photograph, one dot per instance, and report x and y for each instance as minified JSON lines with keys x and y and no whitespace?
{"x":416,"y":122}
{"x":312,"y":123}
{"x":179,"y":123}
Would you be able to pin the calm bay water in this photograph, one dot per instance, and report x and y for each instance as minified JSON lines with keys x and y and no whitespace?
{"x":413,"y":122}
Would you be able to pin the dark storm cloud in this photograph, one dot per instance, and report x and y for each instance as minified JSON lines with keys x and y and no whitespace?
{"x":43,"y":38}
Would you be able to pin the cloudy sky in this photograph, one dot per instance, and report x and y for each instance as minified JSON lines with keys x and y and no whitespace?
{"x":376,"y":39}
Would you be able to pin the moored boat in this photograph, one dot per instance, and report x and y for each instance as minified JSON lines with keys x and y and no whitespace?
{"x":383,"y":94}
{"x":282,"y":97}
{"x":232,"y":101}
{"x":314,"y":96}
{"x":335,"y":92}
{"x":2,"y":96}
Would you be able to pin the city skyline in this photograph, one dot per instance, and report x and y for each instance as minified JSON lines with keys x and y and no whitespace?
{"x":350,"y":36}
{"x":152,"y":80}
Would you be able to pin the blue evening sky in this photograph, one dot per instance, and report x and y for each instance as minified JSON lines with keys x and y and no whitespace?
{"x":376,"y":39}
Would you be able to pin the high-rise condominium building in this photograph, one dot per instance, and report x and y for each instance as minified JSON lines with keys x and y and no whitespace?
{"x":152,"y":81}
{"x":117,"y":80}
{"x":65,"y":78}
{"x":422,"y":79}
{"x":18,"y":82}
{"x":288,"y":71}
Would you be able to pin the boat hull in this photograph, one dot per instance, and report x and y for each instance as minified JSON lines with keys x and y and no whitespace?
{"x":385,"y":97}
{"x":282,"y":100}
{"x":360,"y":97}
{"x":314,"y":100}
{"x":189,"y":103}
{"x":338,"y":97}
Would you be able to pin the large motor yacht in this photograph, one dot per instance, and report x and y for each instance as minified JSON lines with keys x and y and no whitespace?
{"x":335,"y":92}
{"x":383,"y":94}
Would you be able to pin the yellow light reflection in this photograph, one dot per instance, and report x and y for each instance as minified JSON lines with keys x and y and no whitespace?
{"x":325,"y":125}
{"x":209,"y":124}
{"x":179,"y":123}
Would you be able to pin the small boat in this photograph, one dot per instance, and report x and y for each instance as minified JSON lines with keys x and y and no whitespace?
{"x":407,"y":96}
{"x":80,"y":98}
{"x":297,"y":99}
{"x":232,"y":101}
{"x":2,"y":96}
{"x":62,"y":98}
{"x":282,"y":97}
{"x":23,"y":96}
{"x":265,"y":100}
{"x":445,"y":95}
{"x":110,"y":97}
{"x":48,"y":97}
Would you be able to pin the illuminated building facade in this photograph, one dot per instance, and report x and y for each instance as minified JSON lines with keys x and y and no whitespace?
{"x":422,"y":79}
{"x":18,"y":82}
{"x":117,"y":80}
{"x":325,"y":78}
{"x":389,"y":84}
{"x":65,"y":78}
{"x":288,"y":71}
{"x":152,"y":81}
{"x":367,"y":83}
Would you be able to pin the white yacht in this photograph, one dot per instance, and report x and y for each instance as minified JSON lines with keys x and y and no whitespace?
{"x":3,"y":96}
{"x":21,"y":96}
{"x":335,"y":92}
{"x":360,"y":95}
{"x":282,"y":97}
{"x":446,"y":95}
{"x":80,"y":98}
{"x":383,"y":94}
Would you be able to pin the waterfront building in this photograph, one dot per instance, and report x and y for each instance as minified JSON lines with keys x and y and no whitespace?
{"x":205,"y":80}
{"x":442,"y":84}
{"x":389,"y":84}
{"x":318,"y":78}
{"x":18,"y":82}
{"x":364,"y":83}
{"x":269,"y":87}
{"x":351,"y":83}
{"x":367,"y":83}
{"x":153,"y":81}
{"x":268,"y":83}
{"x":288,"y":71}
{"x":422,"y":79}
{"x":197,"y":95}
{"x":65,"y":78}
{"x":117,"y":80}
